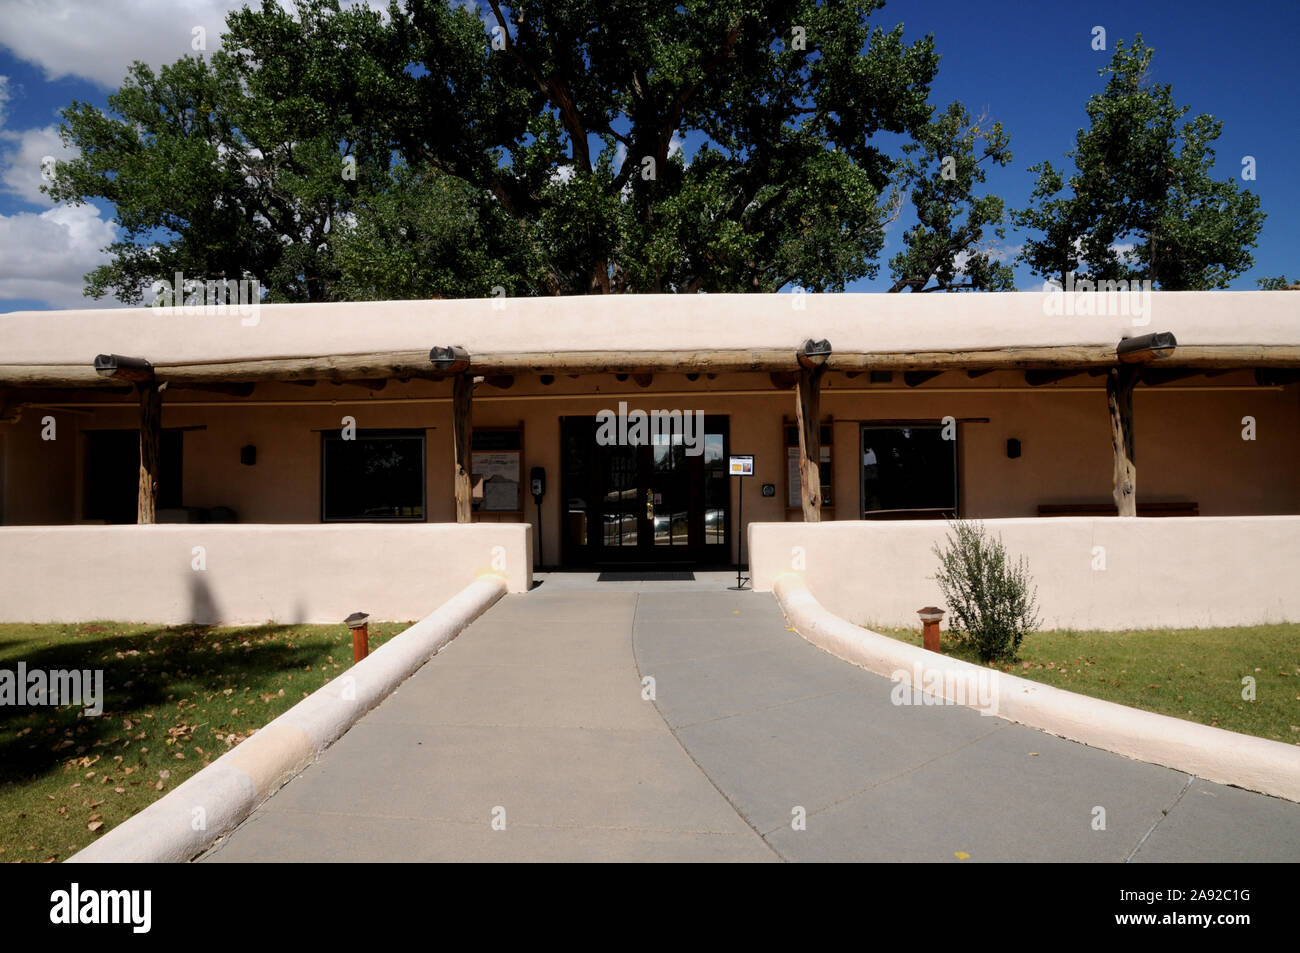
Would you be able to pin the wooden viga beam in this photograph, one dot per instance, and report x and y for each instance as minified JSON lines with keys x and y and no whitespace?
{"x":416,"y":364}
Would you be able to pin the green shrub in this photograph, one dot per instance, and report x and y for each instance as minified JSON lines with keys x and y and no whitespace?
{"x":991,"y":604}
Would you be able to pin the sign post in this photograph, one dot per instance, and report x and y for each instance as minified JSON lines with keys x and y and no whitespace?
{"x":740,"y":465}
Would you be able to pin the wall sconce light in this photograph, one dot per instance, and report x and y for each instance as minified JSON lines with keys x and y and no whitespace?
{"x":248,"y":455}
{"x":1013,"y":448}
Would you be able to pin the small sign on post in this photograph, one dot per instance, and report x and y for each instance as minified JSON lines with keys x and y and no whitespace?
{"x":740,"y":465}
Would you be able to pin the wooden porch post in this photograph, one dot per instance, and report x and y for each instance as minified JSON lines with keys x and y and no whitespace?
{"x":1119,"y":399}
{"x":808,"y":416}
{"x":462,"y":398}
{"x":150,"y":394}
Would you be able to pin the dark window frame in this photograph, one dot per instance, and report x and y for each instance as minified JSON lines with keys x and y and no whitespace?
{"x":419,"y":434}
{"x":171,"y":476}
{"x":908,"y":512}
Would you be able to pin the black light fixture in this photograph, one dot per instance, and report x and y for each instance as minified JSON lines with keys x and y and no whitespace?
{"x":814,"y":354}
{"x":248,"y":455}
{"x":1013,"y":448}
{"x":1148,"y":347}
{"x":449,"y":360}
{"x":117,"y":367}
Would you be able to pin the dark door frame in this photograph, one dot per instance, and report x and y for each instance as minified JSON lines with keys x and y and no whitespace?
{"x":589,"y":485}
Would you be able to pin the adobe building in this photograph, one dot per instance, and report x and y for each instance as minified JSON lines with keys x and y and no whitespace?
{"x":852,"y":406}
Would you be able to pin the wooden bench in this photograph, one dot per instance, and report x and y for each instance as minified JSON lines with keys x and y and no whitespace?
{"x":1170,"y":508}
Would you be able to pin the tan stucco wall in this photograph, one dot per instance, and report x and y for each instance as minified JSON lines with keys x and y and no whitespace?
{"x":251,"y":573}
{"x":1189,"y":444}
{"x":1158,"y":571}
{"x":852,"y":322}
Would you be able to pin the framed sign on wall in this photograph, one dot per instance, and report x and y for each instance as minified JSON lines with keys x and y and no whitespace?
{"x":793,"y":486}
{"x":496,"y":469}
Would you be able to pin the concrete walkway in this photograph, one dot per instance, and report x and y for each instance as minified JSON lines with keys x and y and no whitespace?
{"x":537,"y":709}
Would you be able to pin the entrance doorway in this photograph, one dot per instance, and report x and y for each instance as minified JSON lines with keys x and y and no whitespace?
{"x":650,"y":504}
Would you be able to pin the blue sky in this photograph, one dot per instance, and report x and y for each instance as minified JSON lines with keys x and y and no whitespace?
{"x":1028,"y":62}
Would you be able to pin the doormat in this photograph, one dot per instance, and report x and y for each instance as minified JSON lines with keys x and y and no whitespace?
{"x":650,"y":575}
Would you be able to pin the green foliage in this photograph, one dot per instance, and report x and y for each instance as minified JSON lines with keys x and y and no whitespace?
{"x":992,"y":603}
{"x":1279,"y":283}
{"x":513,"y":152}
{"x":944,"y":247}
{"x":1141,"y":203}
{"x":429,"y":233}
{"x":233,"y":167}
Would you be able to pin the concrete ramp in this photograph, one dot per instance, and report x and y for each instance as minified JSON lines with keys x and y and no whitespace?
{"x":533,"y":717}
{"x":757,"y":746}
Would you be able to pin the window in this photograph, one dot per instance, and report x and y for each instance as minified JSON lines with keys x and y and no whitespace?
{"x":113,"y":474}
{"x":377,"y":476}
{"x":908,"y":471}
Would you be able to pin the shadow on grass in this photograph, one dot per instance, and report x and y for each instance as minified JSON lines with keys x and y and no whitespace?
{"x":142,"y":671}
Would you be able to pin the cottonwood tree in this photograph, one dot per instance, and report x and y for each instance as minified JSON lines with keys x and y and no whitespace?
{"x":573,"y":113}
{"x":557,"y":147}
{"x":1141,"y":202}
{"x":1278,"y":283}
{"x":951,"y":247}
{"x":234,"y":166}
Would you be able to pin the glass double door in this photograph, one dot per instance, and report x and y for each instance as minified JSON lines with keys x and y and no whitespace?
{"x":657,"y":502}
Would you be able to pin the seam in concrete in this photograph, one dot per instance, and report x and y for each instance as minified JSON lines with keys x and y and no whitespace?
{"x":1165,"y":812}
{"x":686,"y":751}
{"x":1215,"y":754}
{"x":188,"y":820}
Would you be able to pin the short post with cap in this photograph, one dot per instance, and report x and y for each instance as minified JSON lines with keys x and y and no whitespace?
{"x":358,"y":623}
{"x":930,"y":615}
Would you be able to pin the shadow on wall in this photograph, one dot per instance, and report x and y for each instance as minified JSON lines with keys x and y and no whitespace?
{"x":203,"y":608}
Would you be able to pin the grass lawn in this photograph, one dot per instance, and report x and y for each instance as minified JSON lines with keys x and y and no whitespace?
{"x":1193,"y":674}
{"x":175,"y":699}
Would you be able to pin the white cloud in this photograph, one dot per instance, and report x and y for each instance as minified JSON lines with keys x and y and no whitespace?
{"x":5,"y":96}
{"x":45,"y":255}
{"x":98,"y":41}
{"x":23,"y":156}
{"x":95,"y":40}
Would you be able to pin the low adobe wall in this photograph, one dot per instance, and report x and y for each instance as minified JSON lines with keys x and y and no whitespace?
{"x":1159,"y":572}
{"x":250,"y":573}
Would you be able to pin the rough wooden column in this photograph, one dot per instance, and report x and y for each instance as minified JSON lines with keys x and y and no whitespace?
{"x":462,"y":399}
{"x":150,"y":394}
{"x":808,"y":414}
{"x":1119,"y":399}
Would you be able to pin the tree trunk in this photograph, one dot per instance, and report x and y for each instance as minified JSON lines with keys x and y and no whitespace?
{"x":808,"y":415}
{"x":1119,"y":399}
{"x":462,"y":395}
{"x":150,"y":442}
